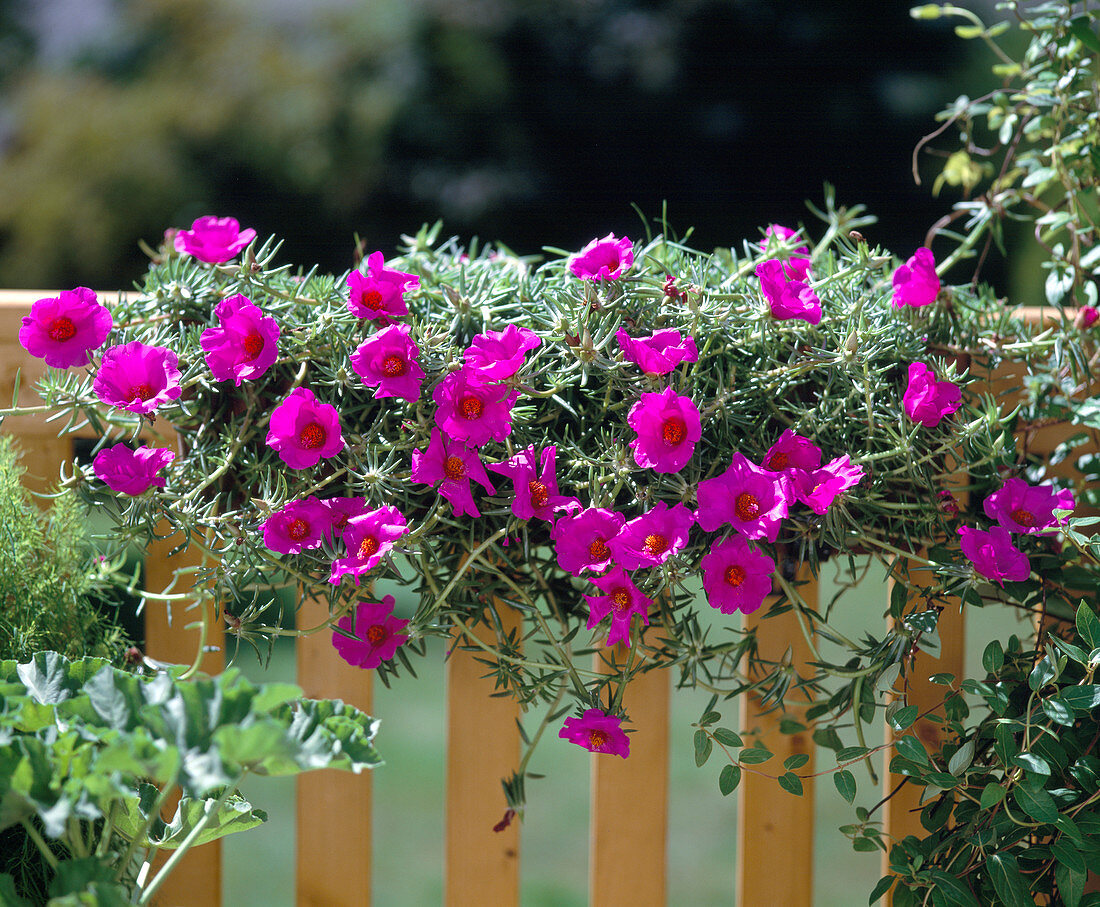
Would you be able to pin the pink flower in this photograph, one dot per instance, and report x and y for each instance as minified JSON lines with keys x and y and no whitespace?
{"x":752,"y":499}
{"x":916,"y":283}
{"x":597,"y":733}
{"x":993,"y":554}
{"x":1087,"y":316}
{"x":380,"y":293}
{"x":668,"y":428}
{"x":582,"y":539}
{"x":340,"y":511}
{"x":375,"y":637}
{"x":736,"y":577}
{"x":652,"y":538}
{"x":137,"y":378}
{"x":787,"y":299}
{"x":496,"y":355}
{"x":621,"y":599}
{"x":535,"y":495}
{"x":795,"y":267}
{"x":659,"y":353}
{"x":818,"y":488}
{"x":1020,"y":507}
{"x":603,"y":259}
{"x":792,"y":451}
{"x":453,"y":464}
{"x":300,"y":524}
{"x":368,"y":538}
{"x":131,"y":471}
{"x":303,"y":431}
{"x":213,"y":239}
{"x":245,"y":345}
{"x":65,"y":328}
{"x":387,"y":360}
{"x":472,"y":410}
{"x":927,"y":400}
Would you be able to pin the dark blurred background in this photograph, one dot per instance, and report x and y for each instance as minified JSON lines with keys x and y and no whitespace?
{"x":532,"y":122}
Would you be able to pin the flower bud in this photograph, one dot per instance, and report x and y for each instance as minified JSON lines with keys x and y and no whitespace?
{"x":1086,"y":317}
{"x":927,"y":11}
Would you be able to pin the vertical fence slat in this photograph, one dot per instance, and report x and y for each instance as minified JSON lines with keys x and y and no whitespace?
{"x":333,"y":848}
{"x":629,"y":824}
{"x":775,"y":844}
{"x":483,"y":745}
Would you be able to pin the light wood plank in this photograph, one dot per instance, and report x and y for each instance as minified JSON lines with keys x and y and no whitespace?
{"x":774,"y":828}
{"x":629,"y":805}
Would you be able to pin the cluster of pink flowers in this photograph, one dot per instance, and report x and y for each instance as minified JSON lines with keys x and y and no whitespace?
{"x":784,"y":281}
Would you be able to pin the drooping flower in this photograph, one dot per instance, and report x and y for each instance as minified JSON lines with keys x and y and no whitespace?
{"x":668,"y":428}
{"x":818,"y":488}
{"x":751,"y":499}
{"x":620,"y":600}
{"x":796,"y":263}
{"x":340,"y":511}
{"x":603,"y":259}
{"x":368,"y":538}
{"x":787,"y":299}
{"x":131,"y":471}
{"x":473,"y":410}
{"x":916,"y":282}
{"x":387,"y":360}
{"x":137,"y":378}
{"x":659,"y":353}
{"x":303,"y":431}
{"x":993,"y":554}
{"x":597,"y":732}
{"x":379,"y":295}
{"x":652,"y":538}
{"x":214,"y":239}
{"x":298,"y":525}
{"x":376,"y":634}
{"x":1020,"y":507}
{"x":582,"y":539}
{"x":792,"y":451}
{"x":64,"y":329}
{"x":927,"y":400}
{"x":736,"y":577}
{"x":453,"y":464}
{"x":496,"y":355}
{"x":536,"y":493}
{"x":244,"y":346}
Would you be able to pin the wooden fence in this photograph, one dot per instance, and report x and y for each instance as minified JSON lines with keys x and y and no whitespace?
{"x":629,"y":802}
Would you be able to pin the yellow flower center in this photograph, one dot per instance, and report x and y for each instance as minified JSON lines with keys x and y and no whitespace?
{"x":540,"y":494}
{"x":597,"y":739}
{"x":598,"y":550}
{"x":620,"y":599}
{"x":471,"y":407}
{"x":367,"y":547}
{"x":454,"y":468}
{"x":655,"y":545}
{"x":747,"y":506}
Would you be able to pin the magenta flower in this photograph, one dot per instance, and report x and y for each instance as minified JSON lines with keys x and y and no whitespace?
{"x":453,"y":464}
{"x":379,"y":295}
{"x":472,"y":410}
{"x":916,"y":283}
{"x":536,"y":495}
{"x":376,"y":634}
{"x":368,"y":538}
{"x":582,"y":540}
{"x":131,"y":471}
{"x":792,"y":451}
{"x":993,"y":554}
{"x":668,"y":428}
{"x":1020,"y":507}
{"x":620,"y":600}
{"x":245,"y":345}
{"x":597,"y":733}
{"x":752,"y":499}
{"x":788,"y":299}
{"x":652,"y":538}
{"x":300,"y":524}
{"x":795,"y":266}
{"x":603,"y":259}
{"x":496,"y":355}
{"x":927,"y":400}
{"x":1087,"y":316}
{"x":818,"y":488}
{"x":214,"y":239}
{"x":387,"y":360}
{"x":340,"y":511}
{"x":64,"y":329}
{"x":736,"y":577}
{"x":137,"y":378}
{"x":659,"y":353}
{"x":303,"y":431}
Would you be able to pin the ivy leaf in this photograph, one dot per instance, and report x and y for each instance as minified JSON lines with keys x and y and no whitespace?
{"x":992,"y":794}
{"x":1008,"y":881}
{"x":729,"y":778}
{"x":912,"y":749}
{"x":1088,"y":624}
{"x":1083,"y":697}
{"x":964,"y":755}
{"x":754,"y":755}
{"x":703,"y":747}
{"x":993,"y":658}
{"x":1082,"y":31}
{"x":845,"y":783}
{"x":727,"y":737}
{"x":1036,"y":802}
{"x":796,"y":761}
{"x":1071,"y":884}
{"x":791,"y":783}
{"x":883,"y":886}
{"x":956,"y":891}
